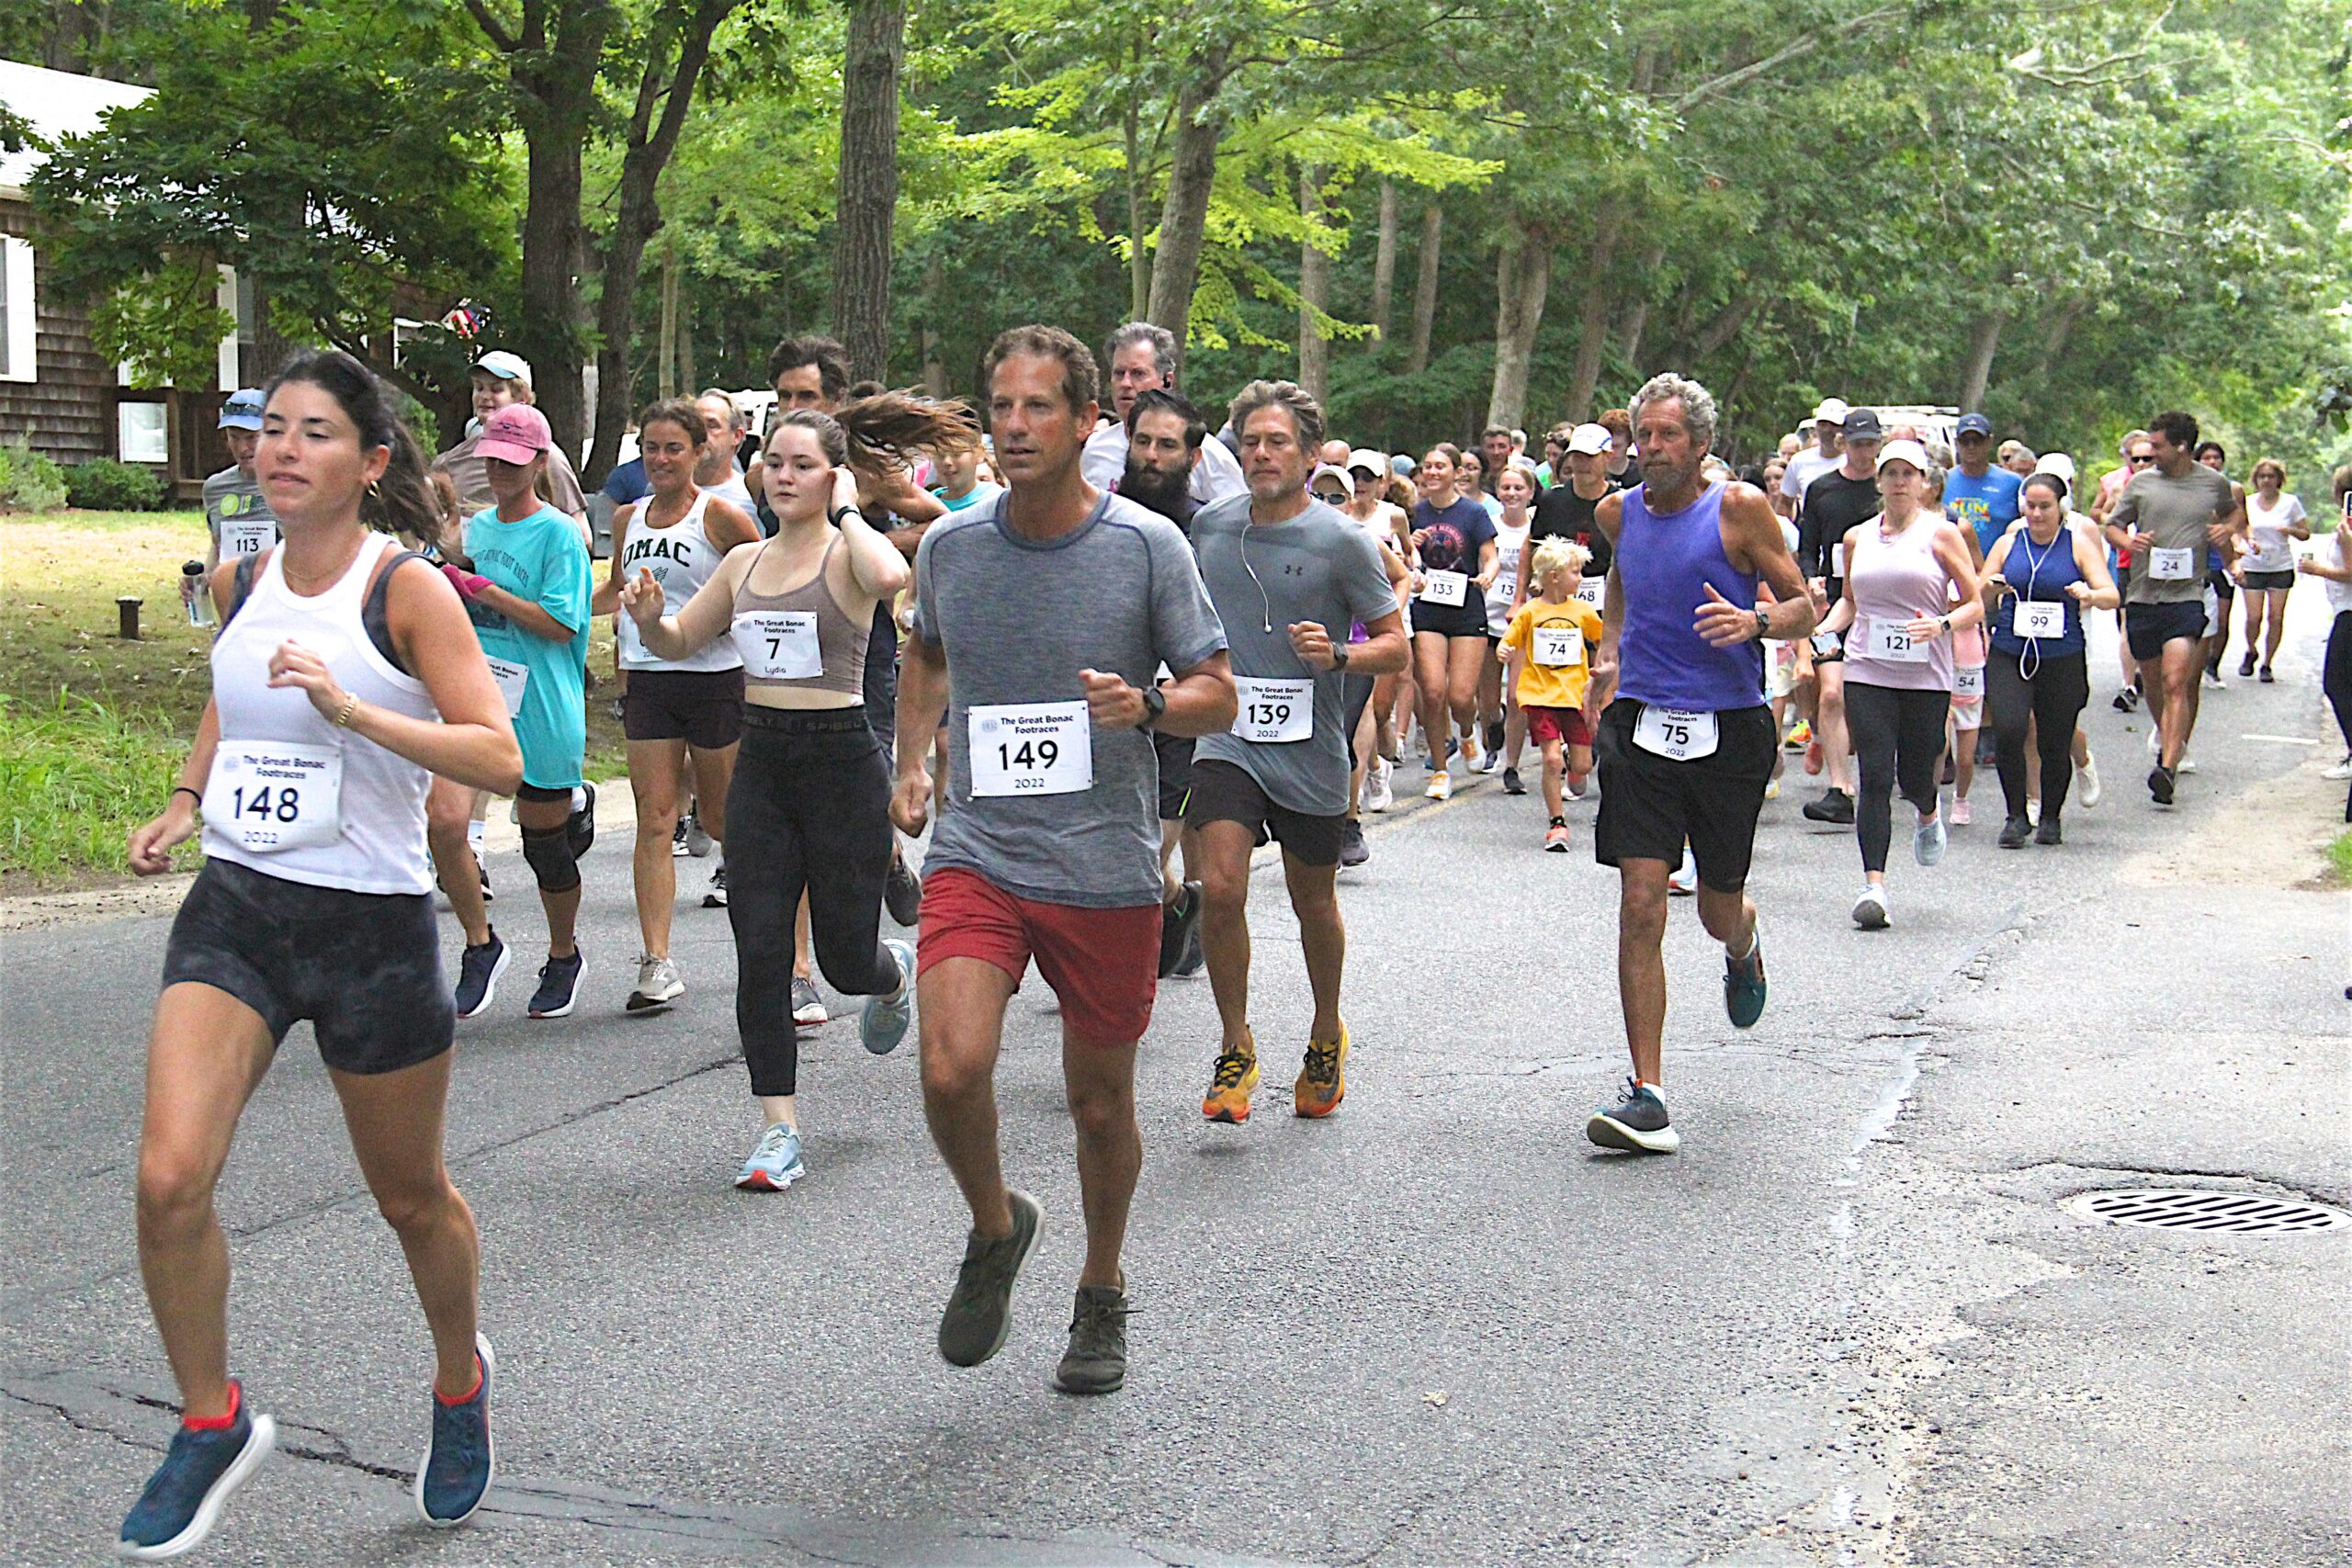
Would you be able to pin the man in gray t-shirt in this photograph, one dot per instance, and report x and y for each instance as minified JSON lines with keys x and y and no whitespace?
{"x":1044,"y":620}
{"x":1289,"y":576}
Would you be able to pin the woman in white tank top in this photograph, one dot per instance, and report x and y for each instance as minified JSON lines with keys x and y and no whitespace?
{"x":674,"y":710}
{"x":348,"y":673}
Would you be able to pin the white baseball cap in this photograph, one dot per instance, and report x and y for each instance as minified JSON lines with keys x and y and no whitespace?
{"x":1347,"y":480}
{"x":1590,"y":439}
{"x":1909,"y":452}
{"x":506,"y":367}
{"x":1370,"y":461}
{"x":2056,"y":463}
{"x":1833,"y":410}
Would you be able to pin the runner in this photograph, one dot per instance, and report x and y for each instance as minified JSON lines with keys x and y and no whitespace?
{"x":1828,"y":449}
{"x":715,"y":470}
{"x":1905,"y":568}
{"x":1978,"y":496}
{"x":2168,"y":517}
{"x":1470,"y":474}
{"x":236,"y":513}
{"x":1379,"y":748}
{"x":1547,"y":646}
{"x":502,"y":380}
{"x":684,"y":711}
{"x":528,"y":588}
{"x":809,"y":809}
{"x":1831,"y":506}
{"x":2137,"y":455}
{"x":958,"y":483}
{"x":1498,"y":708}
{"x":2335,"y":677}
{"x":1454,"y":541}
{"x":2020,"y":458}
{"x":1284,"y":571}
{"x":1040,"y":626}
{"x":2040,"y":578}
{"x":344,"y":677}
{"x":1685,"y":744}
{"x":2222,"y":567}
{"x":2274,"y":521}
{"x":1138,"y":356}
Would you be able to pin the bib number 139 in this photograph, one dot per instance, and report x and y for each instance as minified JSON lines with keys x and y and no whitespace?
{"x":1031,"y":748}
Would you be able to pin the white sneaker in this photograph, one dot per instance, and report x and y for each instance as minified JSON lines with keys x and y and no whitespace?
{"x":1870,"y":910}
{"x":2033,"y":811}
{"x":658,"y":983}
{"x":1441,"y":786}
{"x":2087,"y":785}
{"x":1379,"y":795}
{"x":2187,"y":764}
{"x":1684,"y":879}
{"x":2342,"y":770}
{"x":1472,"y":750}
{"x":2156,"y":741}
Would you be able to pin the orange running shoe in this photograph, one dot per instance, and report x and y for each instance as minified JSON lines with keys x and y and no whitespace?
{"x":1555,"y":837}
{"x":1322,"y":1082}
{"x":1232,"y":1082}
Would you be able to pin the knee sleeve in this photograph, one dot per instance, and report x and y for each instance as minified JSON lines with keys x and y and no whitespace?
{"x":549,"y":851}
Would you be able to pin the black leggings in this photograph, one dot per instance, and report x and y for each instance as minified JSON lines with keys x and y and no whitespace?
{"x":2052,"y":698}
{"x":2335,"y":680}
{"x":809,"y":811}
{"x":1899,"y":739}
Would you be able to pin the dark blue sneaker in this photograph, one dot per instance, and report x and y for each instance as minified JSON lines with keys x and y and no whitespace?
{"x":559,"y":986}
{"x":1636,"y":1124}
{"x":478,"y":972}
{"x":460,"y":1462}
{"x":197,"y":1477}
{"x":1744,"y":982}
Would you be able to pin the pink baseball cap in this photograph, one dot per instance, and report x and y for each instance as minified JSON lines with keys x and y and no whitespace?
{"x":515,"y":434}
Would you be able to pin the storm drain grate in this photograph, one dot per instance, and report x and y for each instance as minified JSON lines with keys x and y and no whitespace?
{"x":2203,"y":1209}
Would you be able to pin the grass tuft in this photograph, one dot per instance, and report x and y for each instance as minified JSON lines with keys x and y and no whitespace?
{"x":76,"y":777}
{"x":2339,"y":857}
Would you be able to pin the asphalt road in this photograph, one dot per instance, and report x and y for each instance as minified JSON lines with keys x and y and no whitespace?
{"x":1848,"y":1324}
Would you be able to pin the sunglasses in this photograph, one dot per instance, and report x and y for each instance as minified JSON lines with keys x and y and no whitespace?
{"x":2141,"y":461}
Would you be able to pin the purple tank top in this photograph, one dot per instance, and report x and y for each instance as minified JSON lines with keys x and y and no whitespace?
{"x":1662,"y":559}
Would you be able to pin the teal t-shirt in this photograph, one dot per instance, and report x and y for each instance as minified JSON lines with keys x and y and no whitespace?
{"x":540,"y":558}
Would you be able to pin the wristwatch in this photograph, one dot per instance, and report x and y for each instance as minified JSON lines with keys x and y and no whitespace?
{"x":1154,"y":703}
{"x":1339,"y":658}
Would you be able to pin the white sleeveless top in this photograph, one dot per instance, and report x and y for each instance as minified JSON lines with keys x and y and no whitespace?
{"x":380,"y":805}
{"x":681,"y":558}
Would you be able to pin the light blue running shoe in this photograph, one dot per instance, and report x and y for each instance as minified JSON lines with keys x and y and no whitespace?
{"x":884,"y":1021}
{"x":775,"y":1161}
{"x":1928,"y":841}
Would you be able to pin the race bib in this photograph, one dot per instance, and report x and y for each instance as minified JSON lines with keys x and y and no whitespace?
{"x":1676,"y":735}
{"x":1838,"y":559}
{"x":1445,"y":587}
{"x":247,"y":536}
{"x":1968,"y":681}
{"x":1274,"y":711}
{"x":276,"y":794}
{"x":1593,"y":590}
{"x":1557,"y":645}
{"x":2039,"y":619}
{"x":511,"y":678}
{"x":1506,"y":585}
{"x":779,"y":644}
{"x":1891,"y":642}
{"x":2171,"y":566}
{"x":1031,"y":748}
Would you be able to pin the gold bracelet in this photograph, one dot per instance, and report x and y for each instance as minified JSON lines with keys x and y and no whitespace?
{"x":350,"y":706}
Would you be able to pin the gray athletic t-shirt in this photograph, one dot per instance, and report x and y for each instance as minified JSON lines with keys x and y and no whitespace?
{"x":2176,"y":513}
{"x":1018,"y":621}
{"x":1320,"y":566}
{"x":234,"y":505}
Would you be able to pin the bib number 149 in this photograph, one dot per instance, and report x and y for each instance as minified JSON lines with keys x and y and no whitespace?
{"x":1030,"y":749}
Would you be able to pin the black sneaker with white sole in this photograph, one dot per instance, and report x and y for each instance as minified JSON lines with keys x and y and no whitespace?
{"x":1636,"y":1124}
{"x":559,"y":986}
{"x":479,"y":968}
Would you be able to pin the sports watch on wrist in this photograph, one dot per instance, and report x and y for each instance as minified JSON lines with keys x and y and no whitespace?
{"x":1154,"y":703}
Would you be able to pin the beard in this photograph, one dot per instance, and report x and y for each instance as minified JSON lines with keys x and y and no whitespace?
{"x":1155,"y":491}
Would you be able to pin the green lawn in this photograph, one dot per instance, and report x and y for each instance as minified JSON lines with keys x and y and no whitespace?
{"x":93,"y":728}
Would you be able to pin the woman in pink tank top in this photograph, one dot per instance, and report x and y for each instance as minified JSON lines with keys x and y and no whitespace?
{"x":1905,"y":568}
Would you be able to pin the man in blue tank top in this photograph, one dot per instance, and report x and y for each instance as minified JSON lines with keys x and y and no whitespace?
{"x":1686,"y":741}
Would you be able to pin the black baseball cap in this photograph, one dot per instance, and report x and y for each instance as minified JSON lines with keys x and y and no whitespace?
{"x":1862,"y":425}
{"x":1973,"y":424}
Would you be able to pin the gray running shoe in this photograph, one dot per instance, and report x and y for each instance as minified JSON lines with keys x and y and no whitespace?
{"x":1636,"y":1124}
{"x":697,"y":841}
{"x":883,"y":1021}
{"x":1096,"y":1362}
{"x":658,"y":983}
{"x":808,"y":1006}
{"x":979,"y":1311}
{"x":1928,"y":841}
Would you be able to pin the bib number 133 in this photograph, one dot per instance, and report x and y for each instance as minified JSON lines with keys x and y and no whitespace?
{"x":1031,"y":748}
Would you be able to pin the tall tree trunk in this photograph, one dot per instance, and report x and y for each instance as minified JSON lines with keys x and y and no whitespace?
{"x":1723,"y":328}
{"x":665,"y":353}
{"x":1592,"y":323}
{"x":1523,"y":281}
{"x":687,"y":377}
{"x":1184,"y":214}
{"x":1425,"y":287}
{"x":934,"y":306}
{"x":637,"y":216}
{"x":1983,"y":339}
{"x":868,"y":191}
{"x":1384,"y":264}
{"x":1138,"y":258}
{"x":1637,"y":313}
{"x":1313,"y":291}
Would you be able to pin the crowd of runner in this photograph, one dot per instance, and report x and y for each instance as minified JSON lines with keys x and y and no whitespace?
{"x":1102,"y":646}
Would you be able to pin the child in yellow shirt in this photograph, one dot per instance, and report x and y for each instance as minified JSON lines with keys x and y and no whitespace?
{"x":1548,"y":649}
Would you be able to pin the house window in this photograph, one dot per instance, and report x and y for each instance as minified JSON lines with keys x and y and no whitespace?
{"x":17,"y":321}
{"x":143,"y":434}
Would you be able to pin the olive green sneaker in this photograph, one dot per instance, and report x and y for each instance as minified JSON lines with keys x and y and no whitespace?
{"x":1096,"y":1362}
{"x":979,"y":1311}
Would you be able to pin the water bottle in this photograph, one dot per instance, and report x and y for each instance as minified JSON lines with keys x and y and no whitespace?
{"x":192,"y":592}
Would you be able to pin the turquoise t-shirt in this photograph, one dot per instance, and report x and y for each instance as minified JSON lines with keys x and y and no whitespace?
{"x":543,"y":560}
{"x":1985,"y":506}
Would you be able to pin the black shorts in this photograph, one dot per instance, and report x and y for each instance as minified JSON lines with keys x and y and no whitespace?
{"x":1175,"y":753}
{"x":2219,"y":582}
{"x":2147,"y":627}
{"x":365,"y":968}
{"x":1224,"y":792}
{"x":1650,"y":805}
{"x":542,"y":794}
{"x":702,"y":707}
{"x":2271,"y":582}
{"x":1450,"y":620}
